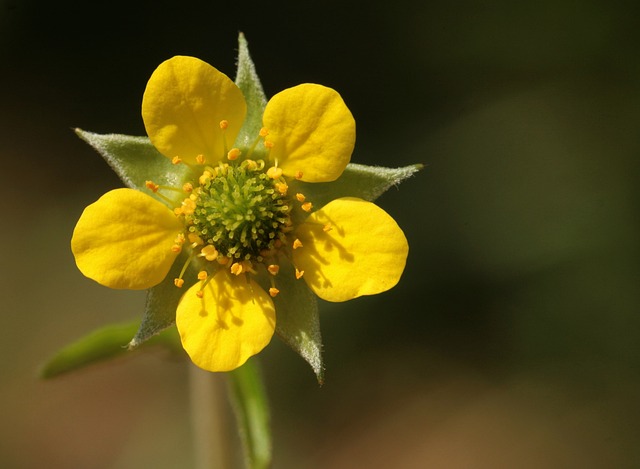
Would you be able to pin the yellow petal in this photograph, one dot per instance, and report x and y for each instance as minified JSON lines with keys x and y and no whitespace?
{"x":233,"y":321}
{"x":350,"y":247}
{"x":183,"y":105}
{"x":312,"y":131}
{"x":124,"y":239}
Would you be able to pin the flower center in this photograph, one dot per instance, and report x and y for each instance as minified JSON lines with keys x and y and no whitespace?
{"x":239,"y":211}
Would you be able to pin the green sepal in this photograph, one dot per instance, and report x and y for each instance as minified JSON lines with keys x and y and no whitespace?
{"x":251,"y":408}
{"x":249,"y":83}
{"x":161,"y":304}
{"x":103,"y":344}
{"x":357,"y":180}
{"x":135,"y":160}
{"x":297,"y":318}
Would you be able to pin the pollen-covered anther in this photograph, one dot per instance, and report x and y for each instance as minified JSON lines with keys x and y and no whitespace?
{"x":178,"y":282}
{"x":268,"y":144}
{"x":209,"y":252}
{"x":152,"y":186}
{"x":300,"y":197}
{"x":299,"y":274}
{"x":234,"y":154}
{"x":307,"y":206}
{"x":298,"y":175}
{"x":282,"y":188}
{"x":273,"y":292}
{"x":176,"y":248}
{"x":187,"y":187}
{"x":202,"y":275}
{"x":237,"y":268}
{"x":200,"y":159}
{"x":176,"y":160}
{"x":327,"y":227}
{"x":195,"y":240}
{"x":200,"y":293}
{"x":224,"y":124}
{"x":250,"y":164}
{"x":297,"y":244}
{"x":206,"y":176}
{"x":188,"y":206}
{"x":274,"y":172}
{"x":273,"y":269}
{"x":263,"y":132}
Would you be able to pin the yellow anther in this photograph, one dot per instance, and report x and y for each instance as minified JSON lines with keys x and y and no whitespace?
{"x":209,"y":252}
{"x":327,"y":227}
{"x":200,"y":293}
{"x":224,"y":124}
{"x":237,"y":268}
{"x":202,"y":275}
{"x":200,"y":159}
{"x":268,"y":144}
{"x":176,"y":248}
{"x":178,"y":211}
{"x":250,"y":164}
{"x":188,"y":206}
{"x":273,"y":269}
{"x":282,"y":188}
{"x":263,"y":132}
{"x":195,"y":240}
{"x":298,"y":175}
{"x":206,"y":175}
{"x":178,"y":282}
{"x":222,"y":260}
{"x":179,"y":239}
{"x":176,"y":160}
{"x":274,"y":172}
{"x":307,"y":206}
{"x":233,"y":154}
{"x":187,"y":187}
{"x":299,"y":274}
{"x":273,"y":292}
{"x":300,"y":197}
{"x":152,"y":186}
{"x":297,"y":244}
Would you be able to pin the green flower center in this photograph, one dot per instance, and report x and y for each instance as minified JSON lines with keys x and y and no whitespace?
{"x":239,"y":211}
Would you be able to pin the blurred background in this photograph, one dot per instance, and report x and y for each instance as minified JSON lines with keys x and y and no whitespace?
{"x":512,"y":340}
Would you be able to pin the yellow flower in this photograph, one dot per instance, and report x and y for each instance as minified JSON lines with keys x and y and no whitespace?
{"x":235,"y":218}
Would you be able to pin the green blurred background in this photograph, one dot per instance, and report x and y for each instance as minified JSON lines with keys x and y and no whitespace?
{"x":512,"y":339}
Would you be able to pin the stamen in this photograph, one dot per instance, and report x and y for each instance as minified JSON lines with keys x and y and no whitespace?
{"x":299,"y":273}
{"x":237,"y":268}
{"x":200,"y":293}
{"x":176,"y":160}
{"x":187,"y":187}
{"x":300,"y":197}
{"x":233,"y":154}
{"x":224,"y":124}
{"x":200,"y":159}
{"x":268,"y":144}
{"x":307,"y":206}
{"x":178,"y":282}
{"x":327,"y":227}
{"x":297,"y":244}
{"x":274,"y":172}
{"x":209,"y":252}
{"x":273,"y":292}
{"x":176,"y":248}
{"x":273,"y":269}
{"x":263,"y":132}
{"x":298,"y":175}
{"x":188,"y":206}
{"x":282,"y":187}
{"x":202,"y":275}
{"x":195,"y":240}
{"x":152,"y":186}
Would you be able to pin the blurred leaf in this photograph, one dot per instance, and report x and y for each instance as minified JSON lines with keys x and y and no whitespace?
{"x":100,"y":345}
{"x":249,"y":83}
{"x":252,"y":413}
{"x":357,"y":180}
{"x":135,"y":160}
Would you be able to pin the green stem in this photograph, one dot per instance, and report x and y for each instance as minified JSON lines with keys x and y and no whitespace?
{"x":209,"y":419}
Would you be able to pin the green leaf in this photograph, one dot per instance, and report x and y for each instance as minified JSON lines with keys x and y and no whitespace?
{"x":357,"y":180}
{"x":249,"y":83}
{"x":103,"y":344}
{"x":298,"y":321}
{"x":135,"y":160}
{"x":252,"y":413}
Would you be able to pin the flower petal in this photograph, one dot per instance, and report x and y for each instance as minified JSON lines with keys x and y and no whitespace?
{"x":350,"y":247}
{"x":233,"y":321}
{"x":124,"y":239}
{"x":312,"y":131}
{"x":183,"y":105}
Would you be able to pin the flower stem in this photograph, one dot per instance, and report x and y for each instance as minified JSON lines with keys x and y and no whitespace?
{"x":209,"y":419}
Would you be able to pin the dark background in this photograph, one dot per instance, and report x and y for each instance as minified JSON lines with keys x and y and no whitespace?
{"x":512,"y":339}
